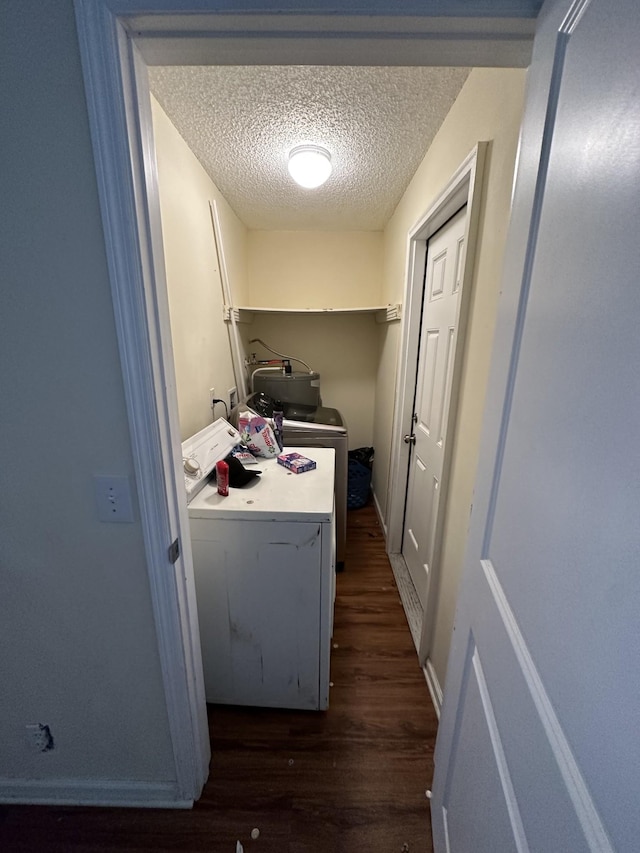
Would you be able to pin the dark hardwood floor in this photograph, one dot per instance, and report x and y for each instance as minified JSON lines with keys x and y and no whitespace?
{"x":351,"y":779}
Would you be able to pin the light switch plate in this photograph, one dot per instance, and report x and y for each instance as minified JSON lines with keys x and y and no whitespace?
{"x":113,"y":498}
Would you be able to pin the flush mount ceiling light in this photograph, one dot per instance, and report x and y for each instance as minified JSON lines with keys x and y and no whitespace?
{"x":309,"y":165}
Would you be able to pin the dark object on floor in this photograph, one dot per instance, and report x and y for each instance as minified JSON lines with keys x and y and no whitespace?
{"x":359,"y":477}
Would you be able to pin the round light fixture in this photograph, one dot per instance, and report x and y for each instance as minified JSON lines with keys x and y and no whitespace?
{"x":309,"y":165}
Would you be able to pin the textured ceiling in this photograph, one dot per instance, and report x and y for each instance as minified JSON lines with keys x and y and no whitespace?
{"x":241,"y":123}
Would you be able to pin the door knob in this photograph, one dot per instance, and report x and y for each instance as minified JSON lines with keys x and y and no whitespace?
{"x":409,"y":439}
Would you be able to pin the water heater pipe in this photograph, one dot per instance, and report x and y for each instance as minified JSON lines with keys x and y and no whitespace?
{"x":275,"y":352}
{"x":236,"y":349}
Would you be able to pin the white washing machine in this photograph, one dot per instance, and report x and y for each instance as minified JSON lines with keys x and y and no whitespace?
{"x":264,"y":564}
{"x":311,"y":434}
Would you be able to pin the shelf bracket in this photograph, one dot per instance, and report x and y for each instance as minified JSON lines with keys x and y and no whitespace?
{"x":390,"y":313}
{"x":239,"y":315}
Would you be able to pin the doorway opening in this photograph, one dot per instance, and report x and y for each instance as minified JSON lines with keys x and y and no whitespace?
{"x":462,"y":191}
{"x":115,"y":50}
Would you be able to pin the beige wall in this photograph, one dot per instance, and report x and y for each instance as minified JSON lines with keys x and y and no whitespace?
{"x":275,"y":269}
{"x":343,"y":349}
{"x":489,"y":107}
{"x":200,"y":337}
{"x":320,"y":269}
{"x":315,"y":269}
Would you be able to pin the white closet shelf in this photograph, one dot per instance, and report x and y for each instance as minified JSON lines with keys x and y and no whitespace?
{"x":245,"y":314}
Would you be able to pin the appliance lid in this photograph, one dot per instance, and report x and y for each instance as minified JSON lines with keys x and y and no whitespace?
{"x":320,"y":416}
{"x":201,"y":452}
{"x":277,"y":495}
{"x":294,"y":413}
{"x":293,"y":429}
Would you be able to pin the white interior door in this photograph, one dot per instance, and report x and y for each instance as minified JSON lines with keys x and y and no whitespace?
{"x":438,"y":334}
{"x":538,"y":747}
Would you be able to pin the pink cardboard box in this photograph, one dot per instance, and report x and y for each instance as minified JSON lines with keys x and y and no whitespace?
{"x":296,"y":462}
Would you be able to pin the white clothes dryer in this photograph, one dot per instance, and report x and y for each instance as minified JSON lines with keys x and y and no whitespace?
{"x":264,"y":566}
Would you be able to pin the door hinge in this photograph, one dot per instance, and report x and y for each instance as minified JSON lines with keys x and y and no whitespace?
{"x":174,"y":551}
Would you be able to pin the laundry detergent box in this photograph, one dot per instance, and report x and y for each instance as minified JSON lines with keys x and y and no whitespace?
{"x":296,"y":462}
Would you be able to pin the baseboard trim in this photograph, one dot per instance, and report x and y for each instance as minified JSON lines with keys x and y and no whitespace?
{"x":72,"y":792}
{"x":379,"y":514}
{"x":434,"y":686}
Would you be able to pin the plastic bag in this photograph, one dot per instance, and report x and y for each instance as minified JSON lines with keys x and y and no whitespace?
{"x":257,"y":434}
{"x":363,"y":455}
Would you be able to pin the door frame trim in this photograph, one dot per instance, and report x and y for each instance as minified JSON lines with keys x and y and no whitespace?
{"x":464,"y":187}
{"x":120,"y":125}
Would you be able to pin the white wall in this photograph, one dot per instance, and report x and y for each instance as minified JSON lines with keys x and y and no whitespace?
{"x":322,"y":269}
{"x":77,"y":638}
{"x":489,"y":107}
{"x":200,"y":337}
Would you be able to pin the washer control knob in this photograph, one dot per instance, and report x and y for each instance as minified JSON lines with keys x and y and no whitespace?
{"x":191,"y":466}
